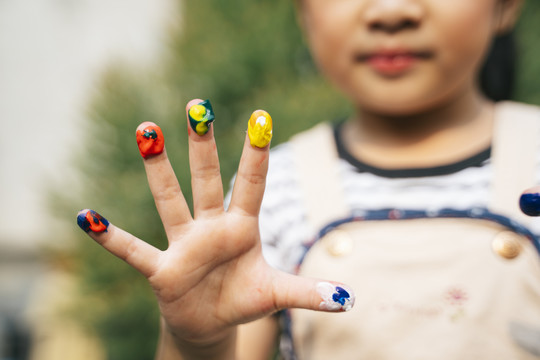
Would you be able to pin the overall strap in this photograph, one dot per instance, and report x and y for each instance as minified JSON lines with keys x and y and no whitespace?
{"x":515,"y":150}
{"x":315,"y":156}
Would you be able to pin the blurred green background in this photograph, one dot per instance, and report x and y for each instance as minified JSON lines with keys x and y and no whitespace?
{"x":228,"y":52}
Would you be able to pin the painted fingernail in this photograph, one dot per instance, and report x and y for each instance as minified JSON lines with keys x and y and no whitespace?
{"x":260,"y":128}
{"x":201,"y":115}
{"x":335,"y":298}
{"x":89,"y":220}
{"x":150,"y":139}
{"x":530,"y":204}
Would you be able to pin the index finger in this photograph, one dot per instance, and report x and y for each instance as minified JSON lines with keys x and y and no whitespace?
{"x":248,"y":190}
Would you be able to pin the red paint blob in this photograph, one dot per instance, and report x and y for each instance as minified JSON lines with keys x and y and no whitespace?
{"x":96,"y":225}
{"x":150,"y":139}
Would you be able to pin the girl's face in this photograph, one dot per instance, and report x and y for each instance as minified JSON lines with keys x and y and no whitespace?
{"x":401,"y":57}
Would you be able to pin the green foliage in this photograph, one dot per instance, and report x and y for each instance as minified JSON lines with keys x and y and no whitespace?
{"x":528,"y":30}
{"x":241,"y":54}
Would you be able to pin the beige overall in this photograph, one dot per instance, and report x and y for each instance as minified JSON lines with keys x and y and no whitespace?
{"x":430,"y":288}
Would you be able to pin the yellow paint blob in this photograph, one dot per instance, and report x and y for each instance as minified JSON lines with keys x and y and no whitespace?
{"x":201,"y":128}
{"x":197,"y":112}
{"x":260,"y":128}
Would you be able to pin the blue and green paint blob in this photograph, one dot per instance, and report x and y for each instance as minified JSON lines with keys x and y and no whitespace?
{"x":200,"y":116}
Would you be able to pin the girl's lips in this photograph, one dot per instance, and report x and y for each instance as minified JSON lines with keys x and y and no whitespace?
{"x":392,"y":63}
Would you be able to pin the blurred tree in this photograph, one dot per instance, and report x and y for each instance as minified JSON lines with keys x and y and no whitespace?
{"x":528,"y":74}
{"x":241,"y":54}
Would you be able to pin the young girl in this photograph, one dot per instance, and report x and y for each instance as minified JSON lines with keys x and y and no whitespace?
{"x":419,"y":141}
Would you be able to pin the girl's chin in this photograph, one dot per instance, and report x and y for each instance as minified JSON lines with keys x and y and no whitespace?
{"x":391,"y":107}
{"x":401,"y":102}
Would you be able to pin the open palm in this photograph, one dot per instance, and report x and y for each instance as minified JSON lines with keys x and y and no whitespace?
{"x":212,"y":276}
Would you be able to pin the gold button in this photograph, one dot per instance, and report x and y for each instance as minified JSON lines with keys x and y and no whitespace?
{"x":338,"y":243}
{"x":506,"y":244}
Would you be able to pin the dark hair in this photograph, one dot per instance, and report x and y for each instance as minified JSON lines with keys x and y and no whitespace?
{"x":498,"y":72}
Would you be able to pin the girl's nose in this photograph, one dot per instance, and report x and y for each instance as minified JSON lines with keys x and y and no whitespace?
{"x":391,"y":16}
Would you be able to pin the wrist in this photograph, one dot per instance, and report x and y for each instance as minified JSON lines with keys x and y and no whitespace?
{"x":218,"y":347}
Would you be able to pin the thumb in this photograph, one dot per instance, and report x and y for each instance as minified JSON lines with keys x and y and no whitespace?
{"x":529,"y":201}
{"x":291,"y":291}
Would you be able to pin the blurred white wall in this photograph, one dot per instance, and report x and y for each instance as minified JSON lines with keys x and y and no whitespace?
{"x":51,"y":53}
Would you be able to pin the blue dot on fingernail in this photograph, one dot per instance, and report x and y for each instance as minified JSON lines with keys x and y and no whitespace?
{"x":341,"y":295}
{"x":530,"y":204}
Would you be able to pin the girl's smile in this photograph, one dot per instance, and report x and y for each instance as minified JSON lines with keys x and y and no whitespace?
{"x":392,"y":62}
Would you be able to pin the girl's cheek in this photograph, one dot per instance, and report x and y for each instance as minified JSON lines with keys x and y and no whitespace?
{"x":465,"y":36}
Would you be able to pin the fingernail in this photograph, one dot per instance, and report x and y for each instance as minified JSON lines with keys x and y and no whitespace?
{"x":150,"y":139}
{"x":89,"y":220}
{"x":260,"y":128}
{"x":335,"y":298}
{"x":530,"y":204}
{"x":200,"y":116}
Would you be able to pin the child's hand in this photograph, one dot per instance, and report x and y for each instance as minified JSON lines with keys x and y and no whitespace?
{"x":212,"y":276}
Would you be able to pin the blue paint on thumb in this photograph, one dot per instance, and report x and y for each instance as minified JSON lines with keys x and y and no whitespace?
{"x":341,"y":295}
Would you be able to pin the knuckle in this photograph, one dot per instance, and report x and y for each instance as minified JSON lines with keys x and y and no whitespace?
{"x":168,"y":193}
{"x":253,"y":178}
{"x":206,"y":172}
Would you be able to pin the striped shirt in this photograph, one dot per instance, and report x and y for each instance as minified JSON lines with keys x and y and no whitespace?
{"x":283,"y":219}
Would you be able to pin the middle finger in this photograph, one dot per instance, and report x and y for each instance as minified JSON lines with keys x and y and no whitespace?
{"x":203,"y":159}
